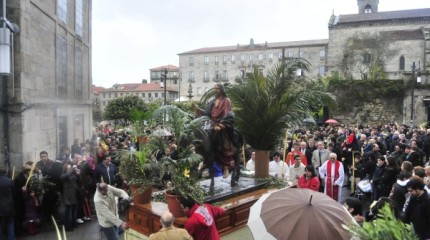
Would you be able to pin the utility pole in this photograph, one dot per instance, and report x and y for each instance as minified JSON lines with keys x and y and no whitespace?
{"x":412,"y":93}
{"x":164,"y":76}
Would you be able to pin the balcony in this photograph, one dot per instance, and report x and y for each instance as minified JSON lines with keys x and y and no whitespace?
{"x":216,"y":79}
{"x":224,"y":79}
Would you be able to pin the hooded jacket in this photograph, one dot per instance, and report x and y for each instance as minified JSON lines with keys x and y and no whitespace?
{"x":201,"y":222}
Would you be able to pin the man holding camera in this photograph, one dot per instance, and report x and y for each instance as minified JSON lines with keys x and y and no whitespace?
{"x":107,"y":210}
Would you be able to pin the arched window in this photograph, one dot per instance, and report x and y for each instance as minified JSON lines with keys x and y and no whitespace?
{"x":402,"y":63}
{"x":368,"y":9}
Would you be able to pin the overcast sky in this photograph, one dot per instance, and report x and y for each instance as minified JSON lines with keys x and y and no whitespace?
{"x":132,"y":36}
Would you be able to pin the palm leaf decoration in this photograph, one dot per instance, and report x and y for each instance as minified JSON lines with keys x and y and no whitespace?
{"x":265,"y":105}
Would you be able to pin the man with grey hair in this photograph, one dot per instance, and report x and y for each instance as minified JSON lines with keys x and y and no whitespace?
{"x":107,"y":210}
{"x":168,"y":231}
{"x":333,"y":174}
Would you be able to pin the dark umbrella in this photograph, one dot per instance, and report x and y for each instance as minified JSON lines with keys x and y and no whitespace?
{"x":296,"y":213}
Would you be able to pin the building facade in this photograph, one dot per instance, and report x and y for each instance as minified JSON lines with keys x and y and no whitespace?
{"x":405,"y":34}
{"x":147,"y":91}
{"x":204,"y":67}
{"x":49,"y":93}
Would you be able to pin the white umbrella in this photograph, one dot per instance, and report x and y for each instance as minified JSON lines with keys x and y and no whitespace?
{"x":161,"y":133}
{"x":182,"y":99}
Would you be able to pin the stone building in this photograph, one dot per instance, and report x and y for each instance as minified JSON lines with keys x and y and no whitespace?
{"x":404,"y":36}
{"x":204,"y":67}
{"x":49,"y":93}
{"x":147,"y":91}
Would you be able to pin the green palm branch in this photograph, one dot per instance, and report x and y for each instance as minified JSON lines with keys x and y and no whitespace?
{"x":265,"y":105}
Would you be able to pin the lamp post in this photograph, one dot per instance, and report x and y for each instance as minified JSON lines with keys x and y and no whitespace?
{"x":414,"y":82}
{"x":7,"y":29}
{"x":164,"y":76}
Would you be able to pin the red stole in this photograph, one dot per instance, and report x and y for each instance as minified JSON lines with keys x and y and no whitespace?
{"x":332,"y":191}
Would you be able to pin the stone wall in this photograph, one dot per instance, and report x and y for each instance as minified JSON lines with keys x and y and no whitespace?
{"x":372,"y":111}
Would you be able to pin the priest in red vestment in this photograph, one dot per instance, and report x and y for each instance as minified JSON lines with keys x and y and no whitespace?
{"x":333,"y":175}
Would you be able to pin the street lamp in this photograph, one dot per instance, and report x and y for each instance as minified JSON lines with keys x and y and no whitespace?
{"x":7,"y":29}
{"x":414,"y":82}
{"x":164,"y":77}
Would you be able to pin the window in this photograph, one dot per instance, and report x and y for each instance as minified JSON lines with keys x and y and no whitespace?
{"x":149,"y":95}
{"x":162,"y":95}
{"x":206,"y":76}
{"x":191,"y":61}
{"x":104,"y":103}
{"x":251,"y":58}
{"x":242,"y":73}
{"x":321,"y":71}
{"x":62,"y":67}
{"x":206,"y":89}
{"x":110,"y":95}
{"x":79,"y":126}
{"x":301,"y":54}
{"x":224,"y":75}
{"x":322,"y":54}
{"x":367,"y":58}
{"x":270,"y":57}
{"x":79,"y":81}
{"x":156,"y":95}
{"x":280,"y":56}
{"x":233,"y":59}
{"x":402,"y":63}
{"x":62,"y":10}
{"x":199,"y":91}
{"x":216,"y":60}
{"x":115,"y":95}
{"x":143,"y":95}
{"x":216,"y":74}
{"x":224,"y":59}
{"x":260,"y":57}
{"x":368,"y":9}
{"x":121,"y":94}
{"x":191,"y":76}
{"x":206,"y":60}
{"x":242,"y":58}
{"x":62,"y":131}
{"x":78,"y":17}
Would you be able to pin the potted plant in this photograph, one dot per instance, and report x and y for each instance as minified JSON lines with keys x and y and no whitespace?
{"x":184,"y":178}
{"x":137,"y":167}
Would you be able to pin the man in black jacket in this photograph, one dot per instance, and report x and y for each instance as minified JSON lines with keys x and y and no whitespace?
{"x":418,"y":210}
{"x":7,"y":207}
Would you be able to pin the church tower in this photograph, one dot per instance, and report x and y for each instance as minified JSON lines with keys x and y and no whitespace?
{"x":367,"y":6}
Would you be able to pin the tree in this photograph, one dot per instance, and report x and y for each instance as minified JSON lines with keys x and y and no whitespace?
{"x":265,"y":106}
{"x":121,"y":109}
{"x":366,"y":54}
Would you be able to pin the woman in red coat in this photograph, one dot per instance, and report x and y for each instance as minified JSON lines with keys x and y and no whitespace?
{"x":309,"y":179}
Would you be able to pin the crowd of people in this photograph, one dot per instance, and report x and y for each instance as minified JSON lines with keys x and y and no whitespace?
{"x":393,"y":158}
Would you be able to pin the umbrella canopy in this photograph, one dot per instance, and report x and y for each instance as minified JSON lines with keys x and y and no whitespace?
{"x":331,"y":121}
{"x":182,"y":99}
{"x":103,"y":123}
{"x":297,"y":213}
{"x":161,"y":133}
{"x":309,"y":120}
